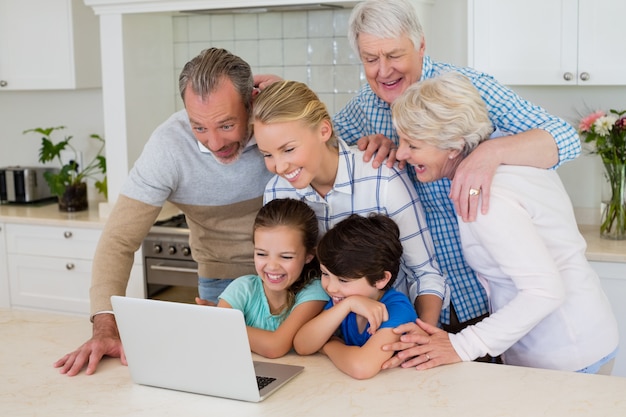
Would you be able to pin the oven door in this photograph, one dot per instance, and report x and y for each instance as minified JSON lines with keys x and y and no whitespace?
{"x":161,"y":273}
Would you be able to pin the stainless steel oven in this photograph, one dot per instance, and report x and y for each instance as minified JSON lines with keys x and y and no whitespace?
{"x":169,"y":271}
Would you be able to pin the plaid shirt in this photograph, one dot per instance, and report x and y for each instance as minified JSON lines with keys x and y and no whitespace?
{"x":361,"y":189}
{"x":366,"y":114}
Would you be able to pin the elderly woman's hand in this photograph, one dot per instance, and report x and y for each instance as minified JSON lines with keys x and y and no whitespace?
{"x":412,"y":336}
{"x":472,"y":181}
{"x":421,"y":346}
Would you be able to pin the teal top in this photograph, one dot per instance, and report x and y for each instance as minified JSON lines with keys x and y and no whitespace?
{"x":246,"y":294}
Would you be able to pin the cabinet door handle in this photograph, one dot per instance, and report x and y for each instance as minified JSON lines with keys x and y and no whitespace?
{"x":69,"y":266}
{"x":568,"y":76}
{"x":3,"y":83}
{"x":67,"y":234}
{"x":584,"y":76}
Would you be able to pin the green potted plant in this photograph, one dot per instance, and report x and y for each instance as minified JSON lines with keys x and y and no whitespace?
{"x":69,"y":183}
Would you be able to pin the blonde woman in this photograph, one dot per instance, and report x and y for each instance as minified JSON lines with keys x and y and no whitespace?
{"x":295,"y":135}
{"x":547,"y":307}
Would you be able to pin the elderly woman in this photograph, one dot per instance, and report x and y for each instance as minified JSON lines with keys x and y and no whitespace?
{"x":547,"y":307}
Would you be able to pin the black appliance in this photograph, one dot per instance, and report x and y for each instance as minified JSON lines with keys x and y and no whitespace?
{"x":167,"y":260}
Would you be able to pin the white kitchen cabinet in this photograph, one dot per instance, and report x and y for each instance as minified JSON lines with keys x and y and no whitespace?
{"x":49,"y":267}
{"x":613,"y":279}
{"x":548,"y":42}
{"x":5,"y":300}
{"x":48,"y":44}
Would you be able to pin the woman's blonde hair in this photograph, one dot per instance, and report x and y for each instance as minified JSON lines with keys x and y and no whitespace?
{"x":446,"y":111}
{"x":288,"y":101}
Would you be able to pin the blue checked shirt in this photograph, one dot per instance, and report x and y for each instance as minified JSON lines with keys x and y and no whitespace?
{"x":361,"y":189}
{"x":366,"y":114}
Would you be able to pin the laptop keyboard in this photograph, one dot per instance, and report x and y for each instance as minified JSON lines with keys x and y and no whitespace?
{"x":264,"y":381}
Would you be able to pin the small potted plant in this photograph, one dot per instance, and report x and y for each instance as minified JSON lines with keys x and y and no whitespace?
{"x":69,"y":184}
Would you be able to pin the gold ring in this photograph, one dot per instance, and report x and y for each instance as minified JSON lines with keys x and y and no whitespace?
{"x":474,"y":191}
{"x":427,"y":358}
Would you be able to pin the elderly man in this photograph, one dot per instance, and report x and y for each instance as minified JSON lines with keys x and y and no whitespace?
{"x":389,"y":39}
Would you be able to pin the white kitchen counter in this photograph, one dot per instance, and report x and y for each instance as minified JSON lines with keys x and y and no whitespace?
{"x":48,"y":214}
{"x":602,"y":250}
{"x":32,"y":341}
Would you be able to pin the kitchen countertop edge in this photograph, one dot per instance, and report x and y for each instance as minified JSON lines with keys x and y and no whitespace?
{"x":49,"y":215}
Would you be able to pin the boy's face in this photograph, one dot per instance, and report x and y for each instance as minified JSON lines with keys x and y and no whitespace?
{"x":339,"y":288}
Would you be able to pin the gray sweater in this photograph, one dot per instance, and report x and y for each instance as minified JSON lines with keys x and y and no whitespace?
{"x":220,"y":202}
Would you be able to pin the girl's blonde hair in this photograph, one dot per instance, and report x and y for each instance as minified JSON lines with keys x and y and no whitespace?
{"x":446,"y":111}
{"x":288,"y":101}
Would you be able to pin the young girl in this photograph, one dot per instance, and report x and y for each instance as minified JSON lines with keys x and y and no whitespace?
{"x":360,"y":258}
{"x":286,"y":293}
{"x":294,"y":133}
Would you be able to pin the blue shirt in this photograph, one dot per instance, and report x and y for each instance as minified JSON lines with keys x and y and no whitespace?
{"x":360,"y":188}
{"x":399,"y":309}
{"x":366,"y":114}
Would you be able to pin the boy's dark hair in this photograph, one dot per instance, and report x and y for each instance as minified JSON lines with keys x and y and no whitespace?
{"x":358,"y":247}
{"x":297,"y":214}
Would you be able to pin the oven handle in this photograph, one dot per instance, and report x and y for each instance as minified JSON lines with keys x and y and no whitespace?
{"x":174,"y":269}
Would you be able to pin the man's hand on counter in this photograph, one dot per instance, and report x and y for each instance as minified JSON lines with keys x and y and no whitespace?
{"x":104,"y":342}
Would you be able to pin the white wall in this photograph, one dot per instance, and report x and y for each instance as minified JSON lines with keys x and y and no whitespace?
{"x":583,"y":178}
{"x":79,"y":110}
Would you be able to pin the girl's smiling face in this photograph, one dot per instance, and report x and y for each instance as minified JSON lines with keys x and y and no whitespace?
{"x":279,"y":256}
{"x":430,"y":162}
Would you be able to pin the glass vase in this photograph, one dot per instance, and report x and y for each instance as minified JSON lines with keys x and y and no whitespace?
{"x":613,"y":220}
{"x":74,"y":198}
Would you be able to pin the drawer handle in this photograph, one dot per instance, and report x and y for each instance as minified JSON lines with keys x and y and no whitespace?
{"x":67,"y":234}
{"x":69,"y":266}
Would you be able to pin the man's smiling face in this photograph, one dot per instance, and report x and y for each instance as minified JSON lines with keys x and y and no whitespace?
{"x":391,"y":65}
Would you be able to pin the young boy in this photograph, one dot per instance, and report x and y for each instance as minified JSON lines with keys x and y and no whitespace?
{"x":359,"y":258}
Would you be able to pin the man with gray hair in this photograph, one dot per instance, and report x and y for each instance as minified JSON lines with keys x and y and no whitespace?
{"x":388,"y":37}
{"x":203,"y":160}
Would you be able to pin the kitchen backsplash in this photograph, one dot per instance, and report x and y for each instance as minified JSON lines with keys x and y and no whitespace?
{"x":307,"y":46}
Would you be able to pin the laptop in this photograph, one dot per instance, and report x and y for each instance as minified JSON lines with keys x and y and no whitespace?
{"x":194,"y":348}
